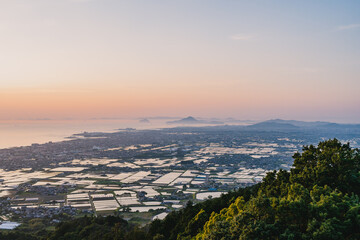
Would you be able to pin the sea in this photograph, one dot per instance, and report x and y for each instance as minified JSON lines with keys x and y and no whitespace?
{"x":26,"y":132}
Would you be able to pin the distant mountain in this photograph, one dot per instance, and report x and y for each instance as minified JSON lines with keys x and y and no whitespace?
{"x":273,"y":125}
{"x":187,"y":120}
{"x":276,"y":124}
{"x":191,"y":120}
{"x":303,"y":123}
{"x":144,"y":120}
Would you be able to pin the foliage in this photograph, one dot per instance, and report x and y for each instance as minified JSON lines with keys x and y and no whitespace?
{"x":318,"y":199}
{"x":92,"y":228}
{"x":331,"y":163}
{"x":187,"y":222}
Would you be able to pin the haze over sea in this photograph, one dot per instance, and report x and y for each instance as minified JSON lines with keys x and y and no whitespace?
{"x":26,"y":132}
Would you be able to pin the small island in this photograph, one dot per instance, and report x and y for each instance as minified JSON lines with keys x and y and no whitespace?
{"x":191,"y":121}
{"x":144,"y":120}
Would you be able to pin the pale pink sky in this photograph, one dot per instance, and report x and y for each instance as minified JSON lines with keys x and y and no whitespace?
{"x":109,"y":58}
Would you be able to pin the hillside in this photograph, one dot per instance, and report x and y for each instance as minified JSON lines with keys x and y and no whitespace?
{"x":317,"y":199}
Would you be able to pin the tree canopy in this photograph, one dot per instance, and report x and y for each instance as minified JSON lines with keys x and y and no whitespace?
{"x":317,"y":199}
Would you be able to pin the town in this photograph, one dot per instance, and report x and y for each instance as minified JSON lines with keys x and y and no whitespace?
{"x":140,"y":175}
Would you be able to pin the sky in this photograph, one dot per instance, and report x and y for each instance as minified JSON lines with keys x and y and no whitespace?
{"x":207,"y":58}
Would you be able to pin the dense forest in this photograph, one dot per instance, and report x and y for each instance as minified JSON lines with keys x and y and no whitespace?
{"x":317,"y":199}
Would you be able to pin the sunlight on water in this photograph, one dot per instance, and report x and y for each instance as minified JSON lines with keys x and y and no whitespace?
{"x":23,"y":133}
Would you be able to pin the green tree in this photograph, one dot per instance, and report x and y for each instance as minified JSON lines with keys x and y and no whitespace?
{"x":331,"y":163}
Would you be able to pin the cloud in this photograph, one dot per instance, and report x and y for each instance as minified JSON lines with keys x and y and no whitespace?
{"x":347,"y":27}
{"x":241,"y":37}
